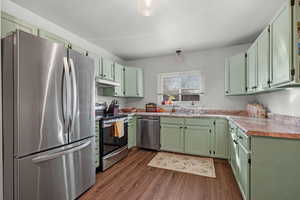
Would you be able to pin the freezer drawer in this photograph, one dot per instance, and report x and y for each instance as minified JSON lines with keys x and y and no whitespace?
{"x":61,"y":174}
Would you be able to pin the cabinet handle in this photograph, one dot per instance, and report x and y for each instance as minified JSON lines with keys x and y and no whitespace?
{"x":180,"y":127}
{"x":235,"y":141}
{"x":240,"y":137}
{"x":209,"y":151}
{"x":254,"y":87}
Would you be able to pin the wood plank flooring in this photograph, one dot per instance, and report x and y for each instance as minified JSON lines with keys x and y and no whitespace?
{"x":132,"y":179}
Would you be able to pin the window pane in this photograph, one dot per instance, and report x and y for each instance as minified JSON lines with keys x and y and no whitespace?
{"x":190,"y":82}
{"x":166,"y":97}
{"x":171,"y":84}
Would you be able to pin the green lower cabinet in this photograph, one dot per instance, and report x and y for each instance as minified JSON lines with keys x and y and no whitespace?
{"x":131,"y":136}
{"x":172,"y":138}
{"x":244,"y":171}
{"x":197,"y":140}
{"x":132,"y":132}
{"x":220,"y":143}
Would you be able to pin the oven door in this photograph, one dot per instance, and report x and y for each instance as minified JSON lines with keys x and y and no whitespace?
{"x":109,"y":143}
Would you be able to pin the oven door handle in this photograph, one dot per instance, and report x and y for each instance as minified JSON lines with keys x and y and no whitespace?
{"x":115,"y":153}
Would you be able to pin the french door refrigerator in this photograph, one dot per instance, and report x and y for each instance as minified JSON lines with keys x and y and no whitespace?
{"x":48,"y":119}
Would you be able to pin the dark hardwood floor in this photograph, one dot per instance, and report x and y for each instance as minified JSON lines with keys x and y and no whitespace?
{"x":132,"y":179}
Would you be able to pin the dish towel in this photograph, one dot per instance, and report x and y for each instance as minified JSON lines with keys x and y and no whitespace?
{"x":118,"y":129}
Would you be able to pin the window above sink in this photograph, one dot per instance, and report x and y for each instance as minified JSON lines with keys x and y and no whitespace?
{"x":180,"y":87}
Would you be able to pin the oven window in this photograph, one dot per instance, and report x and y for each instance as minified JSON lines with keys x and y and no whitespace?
{"x":111,"y":143}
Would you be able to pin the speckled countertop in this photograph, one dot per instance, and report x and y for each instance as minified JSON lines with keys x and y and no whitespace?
{"x":251,"y":126}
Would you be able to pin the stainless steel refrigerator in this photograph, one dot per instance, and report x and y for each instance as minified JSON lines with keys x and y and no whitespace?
{"x":48,"y":119}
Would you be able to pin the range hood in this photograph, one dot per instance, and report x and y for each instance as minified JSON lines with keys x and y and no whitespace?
{"x":106,"y":83}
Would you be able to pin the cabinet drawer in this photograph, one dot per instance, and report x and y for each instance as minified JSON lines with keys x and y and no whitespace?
{"x":198,"y":122}
{"x":243,"y":139}
{"x":172,"y":120}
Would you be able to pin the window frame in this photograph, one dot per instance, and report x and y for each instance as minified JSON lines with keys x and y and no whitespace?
{"x":172,"y":74}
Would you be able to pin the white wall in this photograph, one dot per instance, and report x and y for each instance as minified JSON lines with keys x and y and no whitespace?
{"x":210,"y":62}
{"x":285,"y":102}
{"x":30,"y":17}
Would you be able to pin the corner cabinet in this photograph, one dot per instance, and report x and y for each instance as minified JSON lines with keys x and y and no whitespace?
{"x":134,"y":82}
{"x":235,"y":75}
{"x":197,"y":140}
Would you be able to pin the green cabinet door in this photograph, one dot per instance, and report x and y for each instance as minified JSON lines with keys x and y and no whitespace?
{"x":79,"y":49}
{"x":10,"y":24}
{"x":107,"y":69}
{"x":197,"y":140}
{"x":140,"y":82}
{"x":234,"y":156}
{"x":132,"y":133}
{"x":252,"y":68}
{"x":263,"y":59}
{"x":172,"y":138}
{"x":221,"y":139}
{"x":237,"y":67}
{"x":244,"y":171}
{"x":227,"y":77}
{"x":119,"y":78}
{"x":50,"y":36}
{"x":130,"y":82}
{"x":97,"y":60}
{"x":281,"y":41}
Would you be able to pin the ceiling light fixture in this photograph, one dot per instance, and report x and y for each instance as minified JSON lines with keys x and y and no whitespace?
{"x":145,"y":7}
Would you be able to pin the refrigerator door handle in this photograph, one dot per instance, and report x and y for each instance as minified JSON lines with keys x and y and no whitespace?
{"x":45,"y":158}
{"x":75,"y":106}
{"x":67,"y":111}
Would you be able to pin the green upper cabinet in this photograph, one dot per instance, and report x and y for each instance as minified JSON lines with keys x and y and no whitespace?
{"x":107,"y":69}
{"x":227,"y":77}
{"x":52,"y":37}
{"x":197,"y":140}
{"x":79,"y":49}
{"x":97,"y":60}
{"x":10,"y":24}
{"x":172,"y":138}
{"x":263,"y":60}
{"x":252,"y":68}
{"x":134,"y":82}
{"x":220,"y":139}
{"x":236,"y":67}
{"x":119,"y":78}
{"x":140,"y":82}
{"x":281,"y":48}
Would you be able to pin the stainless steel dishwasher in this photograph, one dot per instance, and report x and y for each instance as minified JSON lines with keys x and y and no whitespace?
{"x":148,"y":132}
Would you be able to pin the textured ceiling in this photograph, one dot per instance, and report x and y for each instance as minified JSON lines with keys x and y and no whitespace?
{"x":187,"y":24}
